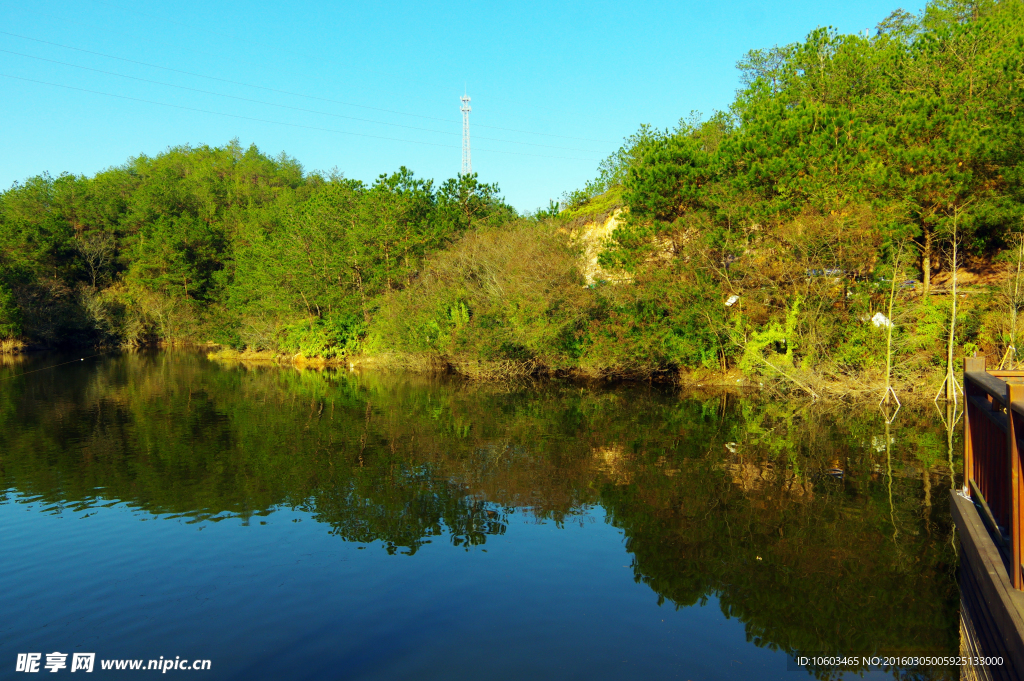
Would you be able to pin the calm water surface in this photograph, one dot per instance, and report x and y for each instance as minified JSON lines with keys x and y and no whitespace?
{"x":310,"y":525}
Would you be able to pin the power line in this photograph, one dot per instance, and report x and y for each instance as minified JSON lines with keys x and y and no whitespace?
{"x":283,"y":106}
{"x":291,"y":125}
{"x":285,"y":92}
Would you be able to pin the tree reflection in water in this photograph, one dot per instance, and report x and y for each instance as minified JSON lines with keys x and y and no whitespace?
{"x":780,"y":510}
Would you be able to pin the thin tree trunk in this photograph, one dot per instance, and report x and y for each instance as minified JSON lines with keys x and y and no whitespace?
{"x":949,"y":382}
{"x":1011,"y":351}
{"x":888,"y":335}
{"x":950,"y":378}
{"x":926,"y":261}
{"x":362,"y":296}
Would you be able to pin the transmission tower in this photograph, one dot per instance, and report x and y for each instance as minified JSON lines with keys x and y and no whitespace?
{"x":467,"y":164}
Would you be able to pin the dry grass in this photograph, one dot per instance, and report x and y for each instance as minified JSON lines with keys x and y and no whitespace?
{"x":498,"y":370}
{"x":249,"y":356}
{"x":11,"y":346}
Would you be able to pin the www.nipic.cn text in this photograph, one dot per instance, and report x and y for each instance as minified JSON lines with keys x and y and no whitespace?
{"x":86,"y":662}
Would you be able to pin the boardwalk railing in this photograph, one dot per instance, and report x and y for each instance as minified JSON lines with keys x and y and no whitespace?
{"x":993,"y":440}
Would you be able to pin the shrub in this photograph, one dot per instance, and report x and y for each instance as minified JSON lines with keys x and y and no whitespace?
{"x":501,"y":294}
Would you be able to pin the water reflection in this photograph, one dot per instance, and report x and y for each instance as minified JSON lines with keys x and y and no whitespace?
{"x":813,"y":526}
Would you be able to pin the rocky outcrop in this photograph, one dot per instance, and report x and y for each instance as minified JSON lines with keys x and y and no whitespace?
{"x":592,"y":237}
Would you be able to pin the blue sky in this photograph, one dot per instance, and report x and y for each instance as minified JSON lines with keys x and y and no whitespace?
{"x":554,"y":86}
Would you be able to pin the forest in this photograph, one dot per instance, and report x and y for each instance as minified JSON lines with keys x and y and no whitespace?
{"x":852,"y":221}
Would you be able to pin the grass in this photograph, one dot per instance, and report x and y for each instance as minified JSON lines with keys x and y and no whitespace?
{"x":249,"y":355}
{"x":11,"y":346}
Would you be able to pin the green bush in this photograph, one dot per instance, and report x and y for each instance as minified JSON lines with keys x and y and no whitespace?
{"x":332,"y":337}
{"x":862,"y":347}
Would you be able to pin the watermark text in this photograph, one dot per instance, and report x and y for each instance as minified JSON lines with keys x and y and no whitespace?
{"x":31,"y":663}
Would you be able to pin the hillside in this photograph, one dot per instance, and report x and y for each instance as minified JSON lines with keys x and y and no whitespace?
{"x":851,"y":177}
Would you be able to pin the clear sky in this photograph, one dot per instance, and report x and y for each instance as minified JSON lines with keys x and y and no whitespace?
{"x":554,"y":86}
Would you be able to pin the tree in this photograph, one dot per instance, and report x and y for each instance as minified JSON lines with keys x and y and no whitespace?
{"x":97,"y":250}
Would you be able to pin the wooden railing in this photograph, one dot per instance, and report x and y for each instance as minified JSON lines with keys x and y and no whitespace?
{"x":993,"y":440}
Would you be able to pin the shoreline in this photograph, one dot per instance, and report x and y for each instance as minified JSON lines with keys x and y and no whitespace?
{"x":809,"y":386}
{"x":821,"y":389}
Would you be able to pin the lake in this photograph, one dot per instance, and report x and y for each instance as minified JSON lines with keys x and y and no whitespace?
{"x":287,"y":524}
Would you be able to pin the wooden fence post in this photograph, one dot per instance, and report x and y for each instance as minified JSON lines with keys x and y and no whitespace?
{"x":970,"y":364}
{"x":1014,"y":393}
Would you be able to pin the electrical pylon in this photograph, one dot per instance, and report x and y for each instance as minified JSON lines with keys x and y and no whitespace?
{"x":467,"y":163}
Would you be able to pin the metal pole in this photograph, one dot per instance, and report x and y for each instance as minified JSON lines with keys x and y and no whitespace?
{"x":467,"y":162}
